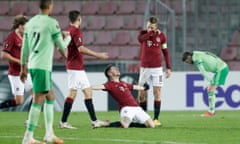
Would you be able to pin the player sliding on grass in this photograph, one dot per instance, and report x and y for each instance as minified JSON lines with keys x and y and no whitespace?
{"x":208,"y":62}
{"x":77,"y":78}
{"x":129,"y":109}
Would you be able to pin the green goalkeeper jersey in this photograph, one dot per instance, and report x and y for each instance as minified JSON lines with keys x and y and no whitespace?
{"x":40,"y":34}
{"x":207,"y":62}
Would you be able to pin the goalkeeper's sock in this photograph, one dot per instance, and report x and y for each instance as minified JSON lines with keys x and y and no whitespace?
{"x":211,"y":101}
{"x":8,"y":103}
{"x":48,"y":116}
{"x":33,"y":116}
{"x":157,"y":109}
{"x":90,"y":108}
{"x":143,"y":105}
{"x":67,"y":109}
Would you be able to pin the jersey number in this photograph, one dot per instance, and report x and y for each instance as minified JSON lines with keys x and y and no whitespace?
{"x":36,"y":37}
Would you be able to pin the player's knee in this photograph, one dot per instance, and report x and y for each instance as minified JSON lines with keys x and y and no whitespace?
{"x":72,"y":94}
{"x":19,"y":100}
{"x":125,"y":122}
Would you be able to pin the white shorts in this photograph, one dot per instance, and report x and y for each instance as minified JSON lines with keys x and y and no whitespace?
{"x":134,"y":114}
{"x":153,"y":76}
{"x":77,"y":79}
{"x":18,"y":86}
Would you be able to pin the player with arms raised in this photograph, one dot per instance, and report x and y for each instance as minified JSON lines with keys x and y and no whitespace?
{"x":121,"y":91}
{"x":153,"y":43}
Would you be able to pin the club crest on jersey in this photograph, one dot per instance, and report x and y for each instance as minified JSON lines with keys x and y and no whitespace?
{"x":80,"y":40}
{"x":158,"y":39}
{"x":122,"y":88}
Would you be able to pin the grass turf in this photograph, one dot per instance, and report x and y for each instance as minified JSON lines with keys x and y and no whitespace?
{"x":178,"y":128}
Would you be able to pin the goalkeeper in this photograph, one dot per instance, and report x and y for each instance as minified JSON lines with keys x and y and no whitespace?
{"x":208,"y":62}
{"x":128,"y":107}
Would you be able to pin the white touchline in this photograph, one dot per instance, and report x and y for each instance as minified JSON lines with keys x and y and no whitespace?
{"x":112,"y":140}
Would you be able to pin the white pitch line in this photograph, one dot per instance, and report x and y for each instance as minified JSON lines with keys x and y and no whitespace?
{"x":111,"y":140}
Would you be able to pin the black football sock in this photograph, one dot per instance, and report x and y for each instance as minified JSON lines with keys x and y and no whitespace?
{"x":118,"y":124}
{"x":157,"y":108}
{"x":138,"y":125}
{"x":115,"y":124}
{"x":8,"y":103}
{"x":143,"y":105}
{"x":67,"y":109}
{"x":90,"y":108}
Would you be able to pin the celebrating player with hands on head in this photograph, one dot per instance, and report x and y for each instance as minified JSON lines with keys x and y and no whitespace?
{"x":153,"y":43}
{"x":129,"y":109}
{"x":208,"y":62}
{"x":77,"y":78}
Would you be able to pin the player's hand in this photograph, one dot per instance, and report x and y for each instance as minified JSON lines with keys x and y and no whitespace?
{"x":23,"y":73}
{"x":103,"y":55}
{"x":23,"y":76}
{"x":146,"y":86}
{"x":168,"y":73}
{"x":65,"y":34}
{"x":158,"y":31}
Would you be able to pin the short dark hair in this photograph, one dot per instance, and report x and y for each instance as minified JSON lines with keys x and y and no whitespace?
{"x":107,"y":69}
{"x":185,"y":55}
{"x":19,"y":20}
{"x":153,"y":20}
{"x":43,"y":4}
{"x":73,"y":15}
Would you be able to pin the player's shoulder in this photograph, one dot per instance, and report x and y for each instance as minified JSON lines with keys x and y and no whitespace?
{"x":10,"y":35}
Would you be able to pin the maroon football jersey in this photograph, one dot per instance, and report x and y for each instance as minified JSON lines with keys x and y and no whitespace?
{"x":120,"y":91}
{"x":12,"y":45}
{"x":151,"y":49}
{"x":75,"y":58}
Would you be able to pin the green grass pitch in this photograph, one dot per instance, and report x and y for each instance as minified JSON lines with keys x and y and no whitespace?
{"x":178,"y":128}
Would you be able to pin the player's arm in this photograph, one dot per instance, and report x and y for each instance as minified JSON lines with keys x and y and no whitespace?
{"x":138,"y":87}
{"x":166,"y":56}
{"x":87,"y":51}
{"x":9,"y":57}
{"x":143,"y":36}
{"x":98,"y":87}
{"x":24,"y":57}
{"x":203,"y":71}
{"x":62,"y":43}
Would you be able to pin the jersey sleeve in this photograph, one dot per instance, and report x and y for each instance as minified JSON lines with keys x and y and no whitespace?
{"x":130,"y":86}
{"x":78,"y":39}
{"x":107,"y":87}
{"x":165,"y":51}
{"x":57,"y":36}
{"x":163,"y":41}
{"x":8,"y":44}
{"x":144,"y":35}
{"x":199,"y":63}
{"x":25,"y":49}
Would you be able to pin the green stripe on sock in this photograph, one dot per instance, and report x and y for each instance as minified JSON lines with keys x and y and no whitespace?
{"x":49,"y":101}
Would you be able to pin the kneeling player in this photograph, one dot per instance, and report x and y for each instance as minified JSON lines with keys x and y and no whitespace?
{"x":129,"y":109}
